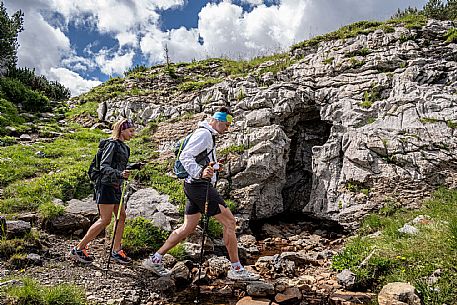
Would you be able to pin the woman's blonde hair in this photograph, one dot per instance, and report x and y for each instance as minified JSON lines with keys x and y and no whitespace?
{"x":116,"y":133}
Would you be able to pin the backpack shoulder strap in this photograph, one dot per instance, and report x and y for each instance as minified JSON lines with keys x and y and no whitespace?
{"x":214,"y":140}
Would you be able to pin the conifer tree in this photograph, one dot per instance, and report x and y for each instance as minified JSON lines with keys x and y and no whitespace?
{"x":9,"y":29}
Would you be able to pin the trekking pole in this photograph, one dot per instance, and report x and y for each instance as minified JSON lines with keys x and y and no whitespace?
{"x":205,"y":228}
{"x":115,"y":224}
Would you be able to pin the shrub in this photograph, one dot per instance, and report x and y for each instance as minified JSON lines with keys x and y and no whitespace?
{"x":9,"y":247}
{"x":215,"y":229}
{"x":51,"y":89}
{"x":49,"y":210}
{"x":18,"y":261}
{"x":141,"y":236}
{"x":178,"y":252}
{"x":8,"y":116}
{"x":18,"y":93}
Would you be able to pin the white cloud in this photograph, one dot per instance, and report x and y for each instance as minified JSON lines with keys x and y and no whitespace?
{"x":114,"y":64}
{"x":72,"y":80}
{"x":41,"y":46}
{"x":79,"y":63}
{"x":252,"y":2}
{"x":127,"y":39}
{"x":152,"y":44}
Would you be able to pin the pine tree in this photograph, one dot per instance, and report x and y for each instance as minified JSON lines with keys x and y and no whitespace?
{"x":9,"y":29}
{"x":435,"y":9}
{"x":451,"y":9}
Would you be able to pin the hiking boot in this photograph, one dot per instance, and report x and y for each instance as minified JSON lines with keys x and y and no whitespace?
{"x":81,"y":255}
{"x":121,"y":257}
{"x":242,"y":275}
{"x":157,"y":269}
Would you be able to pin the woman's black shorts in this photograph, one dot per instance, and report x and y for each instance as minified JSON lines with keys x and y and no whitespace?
{"x":196,"y":197}
{"x":108,"y":194}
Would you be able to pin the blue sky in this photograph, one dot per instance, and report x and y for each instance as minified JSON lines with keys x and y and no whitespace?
{"x":83,"y":43}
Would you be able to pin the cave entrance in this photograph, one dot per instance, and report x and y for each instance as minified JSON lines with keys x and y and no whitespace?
{"x":299,"y":174}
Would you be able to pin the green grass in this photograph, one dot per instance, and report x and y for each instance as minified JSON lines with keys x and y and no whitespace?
{"x":86,"y":109}
{"x":451,"y":35}
{"x":9,"y":247}
{"x":141,"y":236}
{"x":399,"y":257}
{"x":197,"y":85}
{"x":9,"y":116}
{"x":426,"y":120}
{"x":112,"y":88}
{"x":49,"y":210}
{"x":32,"y":293}
{"x":30,"y":180}
{"x":178,"y":252}
{"x":234,"y":149}
{"x":451,"y":124}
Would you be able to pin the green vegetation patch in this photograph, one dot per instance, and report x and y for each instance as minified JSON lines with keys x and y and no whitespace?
{"x":29,"y":243}
{"x":33,"y":293}
{"x":110,"y":89}
{"x":9,"y":116}
{"x":198,"y":85}
{"x":18,"y":93}
{"x":408,"y":258}
{"x":34,"y":175}
{"x":278,"y":62}
{"x":141,"y":236}
{"x":451,"y":35}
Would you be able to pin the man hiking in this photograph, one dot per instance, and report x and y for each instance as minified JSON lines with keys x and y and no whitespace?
{"x":197,"y":186}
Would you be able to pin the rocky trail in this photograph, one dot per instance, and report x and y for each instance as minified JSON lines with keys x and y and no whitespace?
{"x":295,"y":269}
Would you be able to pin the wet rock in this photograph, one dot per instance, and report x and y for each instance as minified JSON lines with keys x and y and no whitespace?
{"x":398,"y":293}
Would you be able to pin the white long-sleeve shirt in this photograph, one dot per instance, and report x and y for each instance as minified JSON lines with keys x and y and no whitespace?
{"x":201,"y":140}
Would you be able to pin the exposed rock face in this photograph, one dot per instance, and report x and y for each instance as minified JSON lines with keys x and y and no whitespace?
{"x":351,"y":125}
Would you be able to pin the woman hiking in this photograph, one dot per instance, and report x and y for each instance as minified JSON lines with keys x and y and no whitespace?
{"x":113,"y":172}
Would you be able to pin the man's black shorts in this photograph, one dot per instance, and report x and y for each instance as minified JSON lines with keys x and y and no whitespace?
{"x":196,"y":197}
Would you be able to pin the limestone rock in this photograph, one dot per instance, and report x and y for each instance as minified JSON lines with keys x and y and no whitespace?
{"x":398,"y":294}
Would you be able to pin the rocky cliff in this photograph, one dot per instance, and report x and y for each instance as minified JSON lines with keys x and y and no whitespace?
{"x":349,"y":126}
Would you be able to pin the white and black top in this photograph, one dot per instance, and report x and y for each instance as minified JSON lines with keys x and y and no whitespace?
{"x":201,"y":140}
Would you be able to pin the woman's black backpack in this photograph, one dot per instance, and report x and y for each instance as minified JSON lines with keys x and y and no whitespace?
{"x":94,"y":167}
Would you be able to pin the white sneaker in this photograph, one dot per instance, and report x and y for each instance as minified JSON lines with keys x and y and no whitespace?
{"x":242,"y":275}
{"x":157,"y":269}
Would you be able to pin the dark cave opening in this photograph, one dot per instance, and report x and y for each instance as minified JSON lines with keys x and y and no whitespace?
{"x":304,"y":134}
{"x":299,"y":173}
